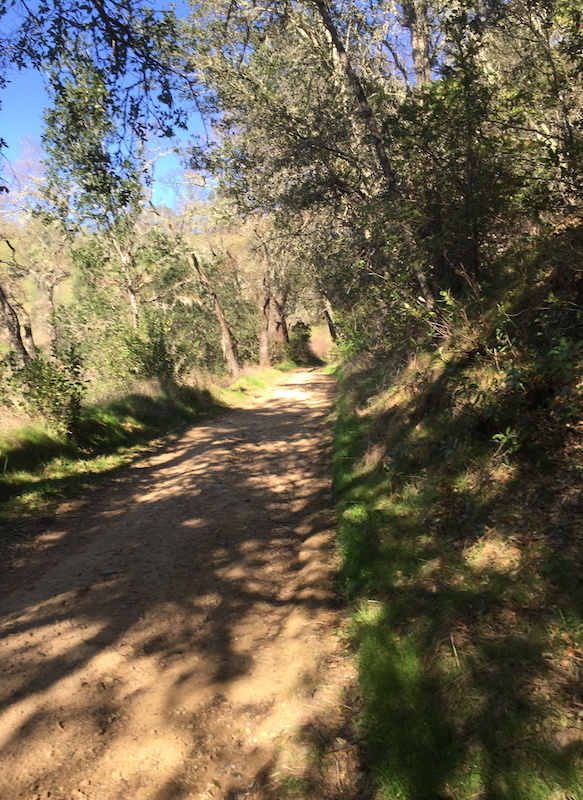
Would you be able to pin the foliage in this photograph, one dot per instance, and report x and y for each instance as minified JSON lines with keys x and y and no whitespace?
{"x":41,"y":466}
{"x":298,"y":348}
{"x":443,"y":581}
{"x":129,"y":50}
{"x":50,"y":388}
{"x":157,"y":351}
{"x":455,"y":471}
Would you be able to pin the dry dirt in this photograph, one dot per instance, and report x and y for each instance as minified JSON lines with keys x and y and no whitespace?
{"x":175,"y":635}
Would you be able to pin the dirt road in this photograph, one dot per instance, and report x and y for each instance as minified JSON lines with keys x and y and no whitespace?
{"x":175,"y":634}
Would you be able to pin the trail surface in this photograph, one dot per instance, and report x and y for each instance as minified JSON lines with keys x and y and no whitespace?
{"x":174,"y":635}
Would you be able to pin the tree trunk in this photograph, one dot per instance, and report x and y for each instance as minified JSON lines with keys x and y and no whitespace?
{"x":379,"y":146}
{"x":329,"y":317}
{"x":50,"y":290}
{"x":228,"y":343}
{"x":127,"y":272}
{"x":264,"y":360}
{"x":282,"y":332}
{"x":133,"y":301}
{"x":13,"y":327}
{"x":426,"y":290}
{"x":424,"y":285}
{"x":415,"y":20}
{"x":27,"y":329}
{"x":357,"y":88}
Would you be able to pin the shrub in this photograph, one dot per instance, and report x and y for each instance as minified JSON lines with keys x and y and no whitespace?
{"x":49,"y":387}
{"x":299,"y":344}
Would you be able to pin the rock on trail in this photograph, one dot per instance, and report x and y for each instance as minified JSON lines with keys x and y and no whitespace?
{"x":175,"y":635}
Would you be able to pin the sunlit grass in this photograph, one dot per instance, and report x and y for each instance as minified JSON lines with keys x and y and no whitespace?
{"x":465,"y":633}
{"x":286,"y":366}
{"x":39,"y":467}
{"x":58,"y":478}
{"x":251,"y":382}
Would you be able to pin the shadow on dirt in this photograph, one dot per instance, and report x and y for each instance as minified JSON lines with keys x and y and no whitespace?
{"x":177,"y":573}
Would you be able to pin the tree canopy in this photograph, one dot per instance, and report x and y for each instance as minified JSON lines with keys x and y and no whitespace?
{"x":392,"y":154}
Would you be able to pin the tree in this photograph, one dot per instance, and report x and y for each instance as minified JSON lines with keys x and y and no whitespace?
{"x":132,"y":47}
{"x":412,"y":143}
{"x":13,"y":327}
{"x":228,"y":342}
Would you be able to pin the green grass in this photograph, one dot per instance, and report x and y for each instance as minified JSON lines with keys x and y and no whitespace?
{"x":39,"y":467}
{"x":330,"y":369}
{"x":287,"y":365}
{"x":462,"y":562}
{"x":291,"y":787}
{"x":253,"y":382}
{"x":248,"y":383}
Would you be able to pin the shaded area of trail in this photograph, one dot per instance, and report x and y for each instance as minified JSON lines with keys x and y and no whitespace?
{"x":164,"y":638}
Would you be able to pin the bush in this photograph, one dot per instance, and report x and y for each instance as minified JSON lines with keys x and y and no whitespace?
{"x":299,"y":344}
{"x":157,"y":351}
{"x":51,"y":388}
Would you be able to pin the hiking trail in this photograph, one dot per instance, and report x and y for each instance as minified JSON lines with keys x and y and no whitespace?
{"x":174,"y":634}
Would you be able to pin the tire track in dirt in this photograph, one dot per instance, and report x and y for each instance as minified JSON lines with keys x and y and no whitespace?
{"x":174,"y":636}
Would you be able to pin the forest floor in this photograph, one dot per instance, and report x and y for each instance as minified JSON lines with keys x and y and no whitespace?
{"x":177,"y":633}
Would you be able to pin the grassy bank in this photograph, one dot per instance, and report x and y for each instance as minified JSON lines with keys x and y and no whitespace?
{"x":38,"y":467}
{"x":458,"y":475}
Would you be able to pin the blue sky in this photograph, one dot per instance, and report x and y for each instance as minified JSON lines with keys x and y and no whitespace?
{"x":22,"y":106}
{"x":23,"y":99}
{"x":21,"y":118}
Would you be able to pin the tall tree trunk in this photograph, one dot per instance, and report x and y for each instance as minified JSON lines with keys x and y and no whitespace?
{"x":379,"y":146}
{"x":13,"y":327}
{"x":228,"y":342}
{"x":329,"y":317}
{"x":50,"y":290}
{"x":358,"y":90}
{"x":472,"y":171}
{"x":415,"y":20}
{"x":266,"y":306}
{"x":264,"y":360}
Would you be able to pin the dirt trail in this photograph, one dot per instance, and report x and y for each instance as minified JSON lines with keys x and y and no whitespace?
{"x":173,"y":636}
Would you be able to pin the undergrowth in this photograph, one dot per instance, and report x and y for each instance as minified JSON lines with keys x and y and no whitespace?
{"x":40,"y":466}
{"x":458,"y":472}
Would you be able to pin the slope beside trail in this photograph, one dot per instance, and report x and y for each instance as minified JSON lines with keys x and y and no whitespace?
{"x":174,"y":635}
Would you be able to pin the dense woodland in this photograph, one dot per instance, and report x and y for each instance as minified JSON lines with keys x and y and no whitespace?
{"x":387,"y":167}
{"x":408,"y":174}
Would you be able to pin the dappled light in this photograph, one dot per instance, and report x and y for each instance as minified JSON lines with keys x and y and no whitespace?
{"x":155,"y":635}
{"x":464,"y":564}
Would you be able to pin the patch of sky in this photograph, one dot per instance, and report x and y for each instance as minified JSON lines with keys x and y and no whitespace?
{"x":23,"y":98}
{"x":21,"y":123}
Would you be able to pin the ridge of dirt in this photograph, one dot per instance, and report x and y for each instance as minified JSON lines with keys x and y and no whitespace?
{"x":175,"y":635}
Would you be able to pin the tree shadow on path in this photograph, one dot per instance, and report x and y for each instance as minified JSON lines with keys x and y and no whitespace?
{"x":134,"y":619}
